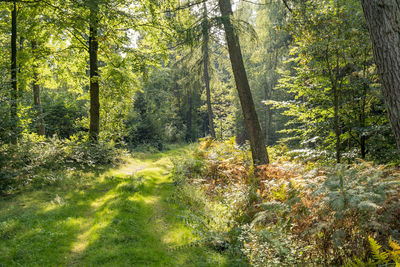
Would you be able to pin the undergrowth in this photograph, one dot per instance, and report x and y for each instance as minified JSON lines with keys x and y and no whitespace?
{"x":38,"y":161}
{"x":289,"y":212}
{"x":120,"y":217}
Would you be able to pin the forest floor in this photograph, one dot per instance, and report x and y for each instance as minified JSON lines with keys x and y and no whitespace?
{"x":114,"y":217}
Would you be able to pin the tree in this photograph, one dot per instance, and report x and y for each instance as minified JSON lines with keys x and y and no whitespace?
{"x":104,"y":29}
{"x":334,"y":105}
{"x":94,"y":125}
{"x":257,"y":144}
{"x":14,"y":70}
{"x":384,"y":27}
{"x":206,"y":61}
{"x":36,"y":94}
{"x":263,"y":61}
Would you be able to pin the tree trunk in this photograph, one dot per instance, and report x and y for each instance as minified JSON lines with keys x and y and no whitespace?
{"x":383,"y":23}
{"x":336,"y":121}
{"x":257,"y":144}
{"x":14,"y":70}
{"x":267,"y":113}
{"x":21,"y":82}
{"x":265,"y":120}
{"x":363,"y":115}
{"x":189,"y":117}
{"x":36,"y":95}
{"x":94,"y":73}
{"x":268,"y":124}
{"x":206,"y":60}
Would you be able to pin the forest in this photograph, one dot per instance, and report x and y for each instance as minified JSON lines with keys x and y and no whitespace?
{"x":200,"y":133}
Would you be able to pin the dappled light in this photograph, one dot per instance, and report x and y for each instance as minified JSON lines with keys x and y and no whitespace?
{"x":122,"y":218}
{"x":200,"y":133}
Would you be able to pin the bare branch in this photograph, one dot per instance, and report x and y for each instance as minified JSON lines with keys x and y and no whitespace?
{"x":287,"y":6}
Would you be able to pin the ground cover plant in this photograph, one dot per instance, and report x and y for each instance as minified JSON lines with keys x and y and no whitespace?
{"x":199,"y":133}
{"x":37,"y":161}
{"x":292,"y":213}
{"x":117,"y":217}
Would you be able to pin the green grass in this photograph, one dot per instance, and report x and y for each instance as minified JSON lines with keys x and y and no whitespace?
{"x":118,"y":217}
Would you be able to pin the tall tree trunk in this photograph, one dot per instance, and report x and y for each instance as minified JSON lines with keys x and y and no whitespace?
{"x":336,"y":121}
{"x":267,"y":113}
{"x":21,"y":82}
{"x":268,"y":90}
{"x":14,"y":70}
{"x":94,"y":73}
{"x":363,"y":146}
{"x":206,"y":60}
{"x":36,"y":95}
{"x":382,"y":17}
{"x":363,"y":138}
{"x":189,"y":117}
{"x":257,"y":144}
{"x":268,"y":118}
{"x":265,"y":130}
{"x":336,"y":89}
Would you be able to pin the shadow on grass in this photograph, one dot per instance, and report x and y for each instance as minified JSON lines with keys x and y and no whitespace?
{"x":113,"y":220}
{"x":170,"y":151}
{"x":40,"y":226}
{"x":143,"y":230}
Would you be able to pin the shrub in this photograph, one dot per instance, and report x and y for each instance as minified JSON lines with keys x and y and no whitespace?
{"x":34,"y":159}
{"x":390,"y":257}
{"x":186,"y":168}
{"x":289,"y":213}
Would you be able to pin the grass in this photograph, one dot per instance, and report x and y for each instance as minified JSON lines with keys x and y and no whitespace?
{"x":118,"y":217}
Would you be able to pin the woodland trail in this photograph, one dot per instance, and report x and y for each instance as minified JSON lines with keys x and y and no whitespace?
{"x":123,"y":217}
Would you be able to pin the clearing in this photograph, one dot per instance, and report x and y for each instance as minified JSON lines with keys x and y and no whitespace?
{"x":118,"y":217}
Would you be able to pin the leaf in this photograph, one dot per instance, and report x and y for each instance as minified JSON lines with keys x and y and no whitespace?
{"x":394,"y":245}
{"x":367,"y":206}
{"x":381,"y":257}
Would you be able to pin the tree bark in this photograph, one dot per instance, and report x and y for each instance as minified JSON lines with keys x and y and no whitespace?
{"x":336,"y":89}
{"x":363,"y":114}
{"x":268,"y":117}
{"x":36,"y":95}
{"x":94,"y":73}
{"x":206,"y":60}
{"x":257,"y":144}
{"x":382,"y":18}
{"x":268,"y":90}
{"x":189,"y":117}
{"x":14,"y":70}
{"x":336,"y":120}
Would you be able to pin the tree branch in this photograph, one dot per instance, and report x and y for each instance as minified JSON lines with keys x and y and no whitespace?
{"x":287,"y":6}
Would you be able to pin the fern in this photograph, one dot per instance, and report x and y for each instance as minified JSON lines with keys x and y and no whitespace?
{"x":380,"y":257}
{"x":395,"y":252}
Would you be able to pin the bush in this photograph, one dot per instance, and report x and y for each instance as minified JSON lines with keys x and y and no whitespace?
{"x":34,"y":157}
{"x":288,"y":213}
{"x":186,"y":168}
{"x":390,"y":257}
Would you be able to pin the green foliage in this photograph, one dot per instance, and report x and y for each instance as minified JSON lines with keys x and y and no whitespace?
{"x":271,"y":247}
{"x":113,"y":217}
{"x":316,"y":91}
{"x":135,"y":184}
{"x":362,"y":188}
{"x":333,"y":101}
{"x":263,"y":60}
{"x":36,"y":160}
{"x":62,"y":116}
{"x":186,"y":167}
{"x":287,"y":213}
{"x":390,"y":257}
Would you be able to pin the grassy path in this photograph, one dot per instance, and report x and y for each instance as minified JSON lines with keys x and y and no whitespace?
{"x":121,"y":217}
